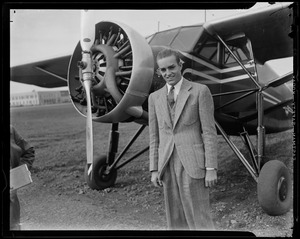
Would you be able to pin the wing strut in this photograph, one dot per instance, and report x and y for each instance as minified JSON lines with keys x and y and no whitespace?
{"x":238,"y":61}
{"x":260,"y":108}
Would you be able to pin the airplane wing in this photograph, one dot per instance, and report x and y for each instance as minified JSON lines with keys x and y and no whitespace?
{"x":267,"y":28}
{"x":48,"y":73}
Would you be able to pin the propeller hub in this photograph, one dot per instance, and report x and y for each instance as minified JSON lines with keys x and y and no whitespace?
{"x":81,"y":64}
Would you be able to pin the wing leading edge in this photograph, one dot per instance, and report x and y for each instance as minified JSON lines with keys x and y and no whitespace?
{"x":267,"y":28}
{"x":49,"y":73}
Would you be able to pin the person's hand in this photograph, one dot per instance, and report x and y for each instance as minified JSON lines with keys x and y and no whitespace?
{"x":154,"y":179}
{"x":210,"y":178}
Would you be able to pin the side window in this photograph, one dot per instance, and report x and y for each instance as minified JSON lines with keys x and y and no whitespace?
{"x":240,"y":48}
{"x":207,"y":50}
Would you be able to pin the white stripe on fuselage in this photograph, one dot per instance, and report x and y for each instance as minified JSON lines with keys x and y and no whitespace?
{"x":205,"y":63}
{"x":209,"y":77}
{"x":268,"y":98}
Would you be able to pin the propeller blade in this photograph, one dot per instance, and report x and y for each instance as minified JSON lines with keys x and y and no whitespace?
{"x":87,"y":30}
{"x":89,"y":125}
{"x":86,"y":41}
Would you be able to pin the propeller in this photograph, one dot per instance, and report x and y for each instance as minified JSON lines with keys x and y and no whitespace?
{"x":86,"y":75}
{"x":123,"y":71}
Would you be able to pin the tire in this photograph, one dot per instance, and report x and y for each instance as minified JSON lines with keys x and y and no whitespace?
{"x":274,"y":188}
{"x":98,"y":179}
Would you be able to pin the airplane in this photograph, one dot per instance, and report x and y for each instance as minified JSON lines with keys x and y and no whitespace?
{"x":113,"y":70}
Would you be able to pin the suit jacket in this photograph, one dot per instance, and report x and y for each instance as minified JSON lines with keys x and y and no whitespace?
{"x":193,"y":131}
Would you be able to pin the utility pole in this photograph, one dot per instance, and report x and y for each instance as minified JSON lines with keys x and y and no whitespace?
{"x":158,"y":26}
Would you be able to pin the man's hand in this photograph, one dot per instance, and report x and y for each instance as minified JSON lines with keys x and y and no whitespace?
{"x":154,"y":179}
{"x":210,"y":178}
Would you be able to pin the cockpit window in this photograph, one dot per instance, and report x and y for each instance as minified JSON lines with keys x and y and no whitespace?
{"x":164,"y":38}
{"x":214,"y":52}
{"x":240,"y":49}
{"x":208,"y":50}
{"x":187,"y":38}
{"x":182,"y":39}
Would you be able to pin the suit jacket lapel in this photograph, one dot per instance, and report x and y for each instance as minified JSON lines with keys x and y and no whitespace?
{"x":163,"y":104}
{"x":181,"y":99}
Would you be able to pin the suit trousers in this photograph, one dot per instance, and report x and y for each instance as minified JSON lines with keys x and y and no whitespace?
{"x":186,"y":198}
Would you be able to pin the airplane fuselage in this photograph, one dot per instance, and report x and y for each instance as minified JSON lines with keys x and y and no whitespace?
{"x":230,"y":62}
{"x":208,"y":62}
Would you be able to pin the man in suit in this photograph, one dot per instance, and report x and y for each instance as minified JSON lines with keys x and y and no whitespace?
{"x":183,"y":145}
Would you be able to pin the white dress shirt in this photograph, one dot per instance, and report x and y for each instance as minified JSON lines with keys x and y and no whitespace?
{"x":176,"y":88}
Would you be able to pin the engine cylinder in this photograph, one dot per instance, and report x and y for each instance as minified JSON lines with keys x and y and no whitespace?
{"x":123,"y":70}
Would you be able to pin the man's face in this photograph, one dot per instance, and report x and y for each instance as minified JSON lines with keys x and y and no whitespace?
{"x":170,"y":69}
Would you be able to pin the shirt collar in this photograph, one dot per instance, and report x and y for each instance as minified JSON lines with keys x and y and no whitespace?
{"x":177,"y":86}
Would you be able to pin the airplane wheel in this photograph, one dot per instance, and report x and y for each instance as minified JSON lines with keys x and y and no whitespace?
{"x":274,"y":188}
{"x":99,"y":180}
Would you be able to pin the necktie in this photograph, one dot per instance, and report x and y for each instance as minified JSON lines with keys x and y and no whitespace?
{"x":171,"y":97}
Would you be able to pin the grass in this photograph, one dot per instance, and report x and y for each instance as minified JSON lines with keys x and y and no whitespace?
{"x":58,"y":134}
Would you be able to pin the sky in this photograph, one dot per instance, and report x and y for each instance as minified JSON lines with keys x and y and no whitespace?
{"x":44,"y":34}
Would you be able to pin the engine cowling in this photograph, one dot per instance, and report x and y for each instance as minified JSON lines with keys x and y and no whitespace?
{"x":123,"y":69}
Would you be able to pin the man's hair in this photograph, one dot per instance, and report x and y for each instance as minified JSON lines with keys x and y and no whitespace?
{"x":168,"y":52}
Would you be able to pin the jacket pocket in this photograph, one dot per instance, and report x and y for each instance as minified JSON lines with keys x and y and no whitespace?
{"x":190,"y":161}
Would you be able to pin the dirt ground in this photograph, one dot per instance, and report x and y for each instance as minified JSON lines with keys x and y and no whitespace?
{"x":59,"y":198}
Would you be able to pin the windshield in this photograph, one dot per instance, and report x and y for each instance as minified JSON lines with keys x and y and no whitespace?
{"x":182,"y":39}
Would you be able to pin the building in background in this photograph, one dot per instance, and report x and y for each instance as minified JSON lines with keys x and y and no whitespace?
{"x":39,"y":98}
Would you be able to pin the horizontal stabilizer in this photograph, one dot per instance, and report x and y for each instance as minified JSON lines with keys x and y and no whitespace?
{"x":279,"y":81}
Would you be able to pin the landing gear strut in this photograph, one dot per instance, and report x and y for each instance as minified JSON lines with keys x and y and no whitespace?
{"x":105,"y":168}
{"x":99,"y":179}
{"x":274,"y":186}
